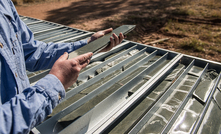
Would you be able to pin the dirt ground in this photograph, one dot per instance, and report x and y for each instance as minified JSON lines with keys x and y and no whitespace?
{"x":155,"y":19}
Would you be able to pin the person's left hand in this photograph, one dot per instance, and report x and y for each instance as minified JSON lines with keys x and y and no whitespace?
{"x":114,"y":41}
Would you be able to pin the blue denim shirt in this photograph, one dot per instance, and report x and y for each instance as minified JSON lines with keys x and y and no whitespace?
{"x":23,"y":106}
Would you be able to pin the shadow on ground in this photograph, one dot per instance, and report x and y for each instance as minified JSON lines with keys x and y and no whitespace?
{"x":148,"y":15}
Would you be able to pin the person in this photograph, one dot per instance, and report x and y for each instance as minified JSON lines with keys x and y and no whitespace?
{"x":22,"y":106}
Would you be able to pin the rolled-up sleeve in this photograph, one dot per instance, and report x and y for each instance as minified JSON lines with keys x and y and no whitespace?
{"x":29,"y":108}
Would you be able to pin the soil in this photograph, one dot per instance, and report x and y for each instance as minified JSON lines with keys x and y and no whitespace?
{"x":150,"y":16}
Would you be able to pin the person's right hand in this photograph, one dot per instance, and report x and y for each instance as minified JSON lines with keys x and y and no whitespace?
{"x":67,"y":71}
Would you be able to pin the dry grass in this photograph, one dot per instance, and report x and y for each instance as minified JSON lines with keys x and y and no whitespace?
{"x":193,"y":26}
{"x":193,"y":45}
{"x":198,"y":24}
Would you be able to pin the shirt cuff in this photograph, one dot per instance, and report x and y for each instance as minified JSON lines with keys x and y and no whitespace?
{"x":53,"y":87}
{"x":79,"y":44}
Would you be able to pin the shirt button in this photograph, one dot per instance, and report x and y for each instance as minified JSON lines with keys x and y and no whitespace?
{"x":1,"y":45}
{"x":59,"y":96}
{"x":16,"y":75}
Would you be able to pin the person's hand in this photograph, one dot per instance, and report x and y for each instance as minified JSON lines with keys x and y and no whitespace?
{"x":114,"y":41}
{"x":67,"y":70}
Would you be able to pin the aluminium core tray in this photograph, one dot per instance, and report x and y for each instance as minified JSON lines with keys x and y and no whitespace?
{"x":134,"y":88}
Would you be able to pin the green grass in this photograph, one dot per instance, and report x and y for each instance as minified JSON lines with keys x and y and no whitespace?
{"x":193,"y":45}
{"x":215,"y":48}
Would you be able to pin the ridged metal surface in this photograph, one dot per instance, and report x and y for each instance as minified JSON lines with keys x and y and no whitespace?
{"x":134,"y":88}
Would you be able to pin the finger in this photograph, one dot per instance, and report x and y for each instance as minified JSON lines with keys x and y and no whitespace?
{"x":63,"y":57}
{"x":116,"y":39}
{"x":121,"y":37}
{"x":106,"y":31}
{"x":84,"y":57}
{"x":84,"y":64}
{"x":109,"y":46}
{"x":112,"y":43}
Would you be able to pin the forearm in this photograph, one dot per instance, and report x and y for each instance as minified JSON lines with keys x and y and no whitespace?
{"x":40,"y":55}
{"x":43,"y":55}
{"x":26,"y":110}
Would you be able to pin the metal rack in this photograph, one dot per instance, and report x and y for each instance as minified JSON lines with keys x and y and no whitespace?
{"x":134,"y":88}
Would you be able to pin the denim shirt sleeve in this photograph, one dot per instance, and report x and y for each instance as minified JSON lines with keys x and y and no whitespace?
{"x":29,"y":108}
{"x":40,"y":55}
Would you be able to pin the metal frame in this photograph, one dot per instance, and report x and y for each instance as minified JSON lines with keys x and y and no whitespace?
{"x":109,"y":111}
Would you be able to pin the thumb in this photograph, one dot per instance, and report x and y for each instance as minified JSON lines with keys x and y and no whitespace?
{"x":63,"y":57}
{"x":106,"y":31}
